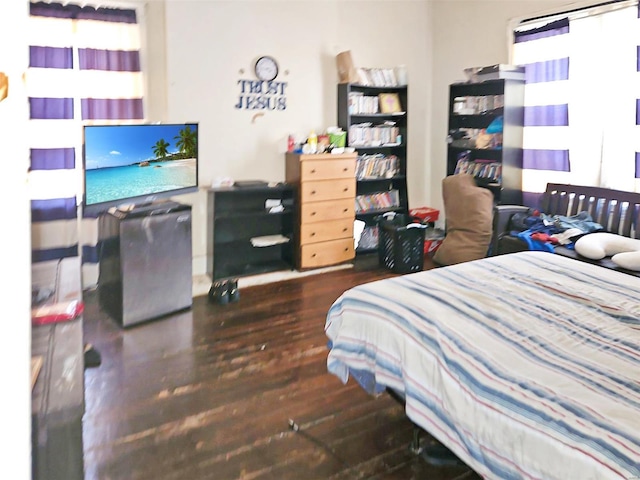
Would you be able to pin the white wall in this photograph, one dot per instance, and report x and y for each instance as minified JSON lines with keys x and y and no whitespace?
{"x":15,"y":252}
{"x":213,"y":44}
{"x":154,"y":64}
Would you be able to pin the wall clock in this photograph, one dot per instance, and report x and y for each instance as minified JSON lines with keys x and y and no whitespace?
{"x":266,"y":68}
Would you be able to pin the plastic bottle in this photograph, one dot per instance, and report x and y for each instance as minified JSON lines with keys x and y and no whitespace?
{"x":313,"y":142}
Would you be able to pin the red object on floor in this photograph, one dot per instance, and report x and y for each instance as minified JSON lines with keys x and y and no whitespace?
{"x":56,"y":312}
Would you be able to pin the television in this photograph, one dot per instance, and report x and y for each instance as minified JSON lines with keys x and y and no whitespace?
{"x":138,"y":164}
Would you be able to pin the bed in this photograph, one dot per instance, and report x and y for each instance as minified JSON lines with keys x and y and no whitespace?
{"x":524,"y":365}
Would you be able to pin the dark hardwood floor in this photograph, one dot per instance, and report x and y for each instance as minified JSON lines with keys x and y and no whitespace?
{"x":209,"y":394}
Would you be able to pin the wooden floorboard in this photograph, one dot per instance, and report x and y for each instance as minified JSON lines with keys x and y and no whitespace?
{"x":211,"y":393}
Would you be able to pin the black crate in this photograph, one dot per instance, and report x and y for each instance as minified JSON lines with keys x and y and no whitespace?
{"x":400,"y":246}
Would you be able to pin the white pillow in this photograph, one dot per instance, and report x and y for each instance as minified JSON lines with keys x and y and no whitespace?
{"x":624,"y":251}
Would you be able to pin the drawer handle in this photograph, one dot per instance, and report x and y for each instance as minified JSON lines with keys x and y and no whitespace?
{"x":345,"y":189}
{"x":313,"y":234}
{"x":313,"y":171}
{"x":313,"y":255}
{"x":345,"y":229}
{"x":346,"y":249}
{"x":345,"y":210}
{"x":345,"y":169}
{"x":313,"y":192}
{"x":313,"y":213}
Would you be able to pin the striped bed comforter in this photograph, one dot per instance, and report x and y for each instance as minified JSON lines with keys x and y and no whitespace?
{"x":524,"y":365}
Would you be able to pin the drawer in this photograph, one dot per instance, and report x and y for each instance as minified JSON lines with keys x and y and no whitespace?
{"x":312,"y":212}
{"x":327,"y":169}
{"x":323,"y":231}
{"x":326,"y":253}
{"x":327,"y":190}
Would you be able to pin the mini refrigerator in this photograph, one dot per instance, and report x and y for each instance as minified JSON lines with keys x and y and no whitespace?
{"x":145,"y":262}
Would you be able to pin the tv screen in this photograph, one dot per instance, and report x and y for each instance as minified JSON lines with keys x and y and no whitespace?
{"x":133,"y":164}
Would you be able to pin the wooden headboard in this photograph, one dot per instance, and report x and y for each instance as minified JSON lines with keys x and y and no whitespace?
{"x":617,"y":211}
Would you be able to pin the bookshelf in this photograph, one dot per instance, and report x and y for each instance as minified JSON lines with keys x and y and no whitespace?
{"x":495,"y":160}
{"x":237,"y":218}
{"x":375,"y":119}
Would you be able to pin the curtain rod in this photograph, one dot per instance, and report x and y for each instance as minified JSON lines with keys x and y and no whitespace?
{"x":578,"y":10}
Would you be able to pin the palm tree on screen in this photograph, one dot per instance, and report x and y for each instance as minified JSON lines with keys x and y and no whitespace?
{"x":160,"y":148}
{"x":187,"y":142}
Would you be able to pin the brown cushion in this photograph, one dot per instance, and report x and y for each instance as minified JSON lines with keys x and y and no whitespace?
{"x":468,"y":210}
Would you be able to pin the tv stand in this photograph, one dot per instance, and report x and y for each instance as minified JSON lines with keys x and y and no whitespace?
{"x":237,"y":218}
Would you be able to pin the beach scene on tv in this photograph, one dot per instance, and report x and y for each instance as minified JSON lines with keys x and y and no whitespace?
{"x":127,"y":161}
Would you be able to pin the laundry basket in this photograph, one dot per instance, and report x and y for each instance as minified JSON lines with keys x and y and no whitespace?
{"x":401,"y":242}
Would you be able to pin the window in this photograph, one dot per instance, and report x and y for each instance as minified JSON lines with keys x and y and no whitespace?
{"x":84,"y":66}
{"x":581,"y":99}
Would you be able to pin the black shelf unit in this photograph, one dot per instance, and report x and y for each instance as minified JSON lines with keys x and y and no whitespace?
{"x":235,"y":215}
{"x":373,"y":185}
{"x":509,"y":155}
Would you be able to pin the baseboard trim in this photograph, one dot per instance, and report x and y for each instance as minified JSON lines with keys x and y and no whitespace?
{"x":202,"y":283}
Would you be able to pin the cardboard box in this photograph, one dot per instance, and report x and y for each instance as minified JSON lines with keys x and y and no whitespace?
{"x":426,"y":214}
{"x":431,"y":246}
{"x":433,"y":238}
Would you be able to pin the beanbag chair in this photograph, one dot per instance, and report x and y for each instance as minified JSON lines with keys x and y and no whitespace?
{"x":469,"y":213}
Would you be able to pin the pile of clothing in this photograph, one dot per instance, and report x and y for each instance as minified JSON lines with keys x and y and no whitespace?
{"x":542,"y":232}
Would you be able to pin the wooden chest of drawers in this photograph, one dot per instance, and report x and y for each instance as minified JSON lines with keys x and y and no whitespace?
{"x":326,"y":189}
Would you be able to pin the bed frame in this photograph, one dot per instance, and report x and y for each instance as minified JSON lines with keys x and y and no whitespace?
{"x":617,"y":211}
{"x":434,"y":452}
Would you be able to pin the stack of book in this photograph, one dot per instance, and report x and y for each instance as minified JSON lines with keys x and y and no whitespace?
{"x":477,"y":105}
{"x":501,"y":71}
{"x":487,"y":170}
{"x":377,"y":77}
{"x":360,"y":104}
{"x":369,"y":238}
{"x":377,"y":201}
{"x":376,"y":166}
{"x":369,"y":135}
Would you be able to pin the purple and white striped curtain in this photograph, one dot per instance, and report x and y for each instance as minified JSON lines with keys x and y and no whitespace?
{"x":544,"y":52}
{"x":582,"y":101}
{"x":618,"y":82}
{"x":84,"y":68}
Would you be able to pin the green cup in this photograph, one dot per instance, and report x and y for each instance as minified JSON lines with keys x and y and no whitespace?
{"x":338,"y":140}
